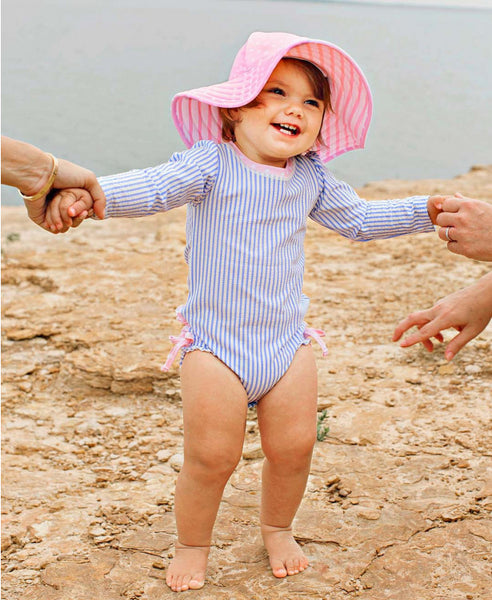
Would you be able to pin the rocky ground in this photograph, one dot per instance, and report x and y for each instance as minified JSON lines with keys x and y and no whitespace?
{"x":398,"y":502}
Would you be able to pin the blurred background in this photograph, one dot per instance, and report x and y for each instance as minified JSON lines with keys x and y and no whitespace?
{"x":92,"y":81}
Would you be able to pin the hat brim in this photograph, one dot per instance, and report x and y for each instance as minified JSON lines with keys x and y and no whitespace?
{"x":196,"y":112}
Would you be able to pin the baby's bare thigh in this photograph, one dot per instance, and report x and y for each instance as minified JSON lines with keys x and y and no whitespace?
{"x":215,"y":403}
{"x":287,"y":415}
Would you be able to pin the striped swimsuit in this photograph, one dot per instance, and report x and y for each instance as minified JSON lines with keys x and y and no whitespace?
{"x":245,"y":233}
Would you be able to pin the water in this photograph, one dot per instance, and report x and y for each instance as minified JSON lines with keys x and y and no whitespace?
{"x":92,"y":81}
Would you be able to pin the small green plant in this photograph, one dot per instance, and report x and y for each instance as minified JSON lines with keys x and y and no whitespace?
{"x":321,"y":429}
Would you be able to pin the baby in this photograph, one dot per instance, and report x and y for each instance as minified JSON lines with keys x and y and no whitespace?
{"x":251,"y":177}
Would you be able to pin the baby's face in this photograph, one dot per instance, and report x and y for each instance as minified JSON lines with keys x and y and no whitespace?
{"x":286,"y":121}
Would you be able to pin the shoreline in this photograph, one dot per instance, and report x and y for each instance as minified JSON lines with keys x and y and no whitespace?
{"x":439,"y":4}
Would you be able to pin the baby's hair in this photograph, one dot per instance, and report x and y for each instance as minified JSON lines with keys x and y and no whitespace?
{"x":321,"y":91}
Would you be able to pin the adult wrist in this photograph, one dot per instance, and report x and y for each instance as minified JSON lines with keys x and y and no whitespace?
{"x":44,"y":184}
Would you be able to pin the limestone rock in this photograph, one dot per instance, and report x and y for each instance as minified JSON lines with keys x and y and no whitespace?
{"x":399,"y":493}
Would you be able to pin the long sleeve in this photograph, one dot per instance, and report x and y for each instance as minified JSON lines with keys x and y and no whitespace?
{"x":187,"y":177}
{"x":340,"y":208}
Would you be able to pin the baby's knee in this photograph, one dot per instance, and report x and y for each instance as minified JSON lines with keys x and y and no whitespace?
{"x":290,"y":451}
{"x":217,"y":463}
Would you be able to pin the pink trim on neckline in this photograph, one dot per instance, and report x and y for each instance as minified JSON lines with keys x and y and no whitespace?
{"x":279,"y":172}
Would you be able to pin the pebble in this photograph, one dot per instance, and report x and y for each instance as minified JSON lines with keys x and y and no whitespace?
{"x":253,"y":452}
{"x":116,"y":411}
{"x":88,"y":425}
{"x":6,"y":541}
{"x":176,"y":461}
{"x":103,"y":539}
{"x":450,"y":515}
{"x":446,"y":369}
{"x":332,"y":479}
{"x":370,"y":514}
{"x":164,"y":455}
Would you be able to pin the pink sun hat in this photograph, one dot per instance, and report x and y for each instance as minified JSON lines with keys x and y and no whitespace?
{"x":196,"y":112}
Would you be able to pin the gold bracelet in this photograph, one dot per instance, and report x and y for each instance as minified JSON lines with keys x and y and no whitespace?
{"x":49,"y":184}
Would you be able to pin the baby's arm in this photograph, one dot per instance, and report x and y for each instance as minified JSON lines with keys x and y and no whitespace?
{"x":68,"y":208}
{"x":341,"y":209}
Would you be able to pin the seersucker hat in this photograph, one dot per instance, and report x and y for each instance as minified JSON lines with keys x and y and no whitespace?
{"x":196,"y":112}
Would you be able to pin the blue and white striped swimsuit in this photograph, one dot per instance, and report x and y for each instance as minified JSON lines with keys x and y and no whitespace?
{"x":245,"y":233}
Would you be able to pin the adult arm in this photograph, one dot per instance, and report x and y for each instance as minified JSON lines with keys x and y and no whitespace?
{"x":469,"y":311}
{"x":28,"y":168}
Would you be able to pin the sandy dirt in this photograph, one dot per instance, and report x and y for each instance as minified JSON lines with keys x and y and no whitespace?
{"x":399,"y":498}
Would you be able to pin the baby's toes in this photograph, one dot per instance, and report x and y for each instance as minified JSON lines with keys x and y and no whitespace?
{"x":292,"y":566}
{"x":177,"y":583}
{"x":196,"y":582}
{"x":170,"y":581}
{"x":184,"y":583}
{"x":278,"y":568}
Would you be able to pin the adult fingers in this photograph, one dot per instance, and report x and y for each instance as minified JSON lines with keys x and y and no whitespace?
{"x":429,"y":326}
{"x":420,"y":319}
{"x":80,"y":219}
{"x":446,"y":219}
{"x":99,"y":198}
{"x":452,"y":203}
{"x":460,"y":340}
{"x":36,"y":211}
{"x":71,"y":175}
{"x":448,"y":234}
{"x":423,"y":335}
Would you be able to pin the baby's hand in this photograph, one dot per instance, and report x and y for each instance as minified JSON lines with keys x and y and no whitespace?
{"x":434,"y":207}
{"x":68,"y":208}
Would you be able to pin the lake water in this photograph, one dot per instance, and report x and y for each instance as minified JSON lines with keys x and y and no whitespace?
{"x":92,"y":81}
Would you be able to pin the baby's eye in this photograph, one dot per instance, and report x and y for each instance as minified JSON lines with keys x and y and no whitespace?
{"x":277,"y":90}
{"x":312,"y":102}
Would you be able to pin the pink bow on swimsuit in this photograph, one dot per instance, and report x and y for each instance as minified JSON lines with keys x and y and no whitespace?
{"x":181,"y":341}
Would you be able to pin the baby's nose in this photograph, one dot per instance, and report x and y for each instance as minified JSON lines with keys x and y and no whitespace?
{"x":295,"y":108}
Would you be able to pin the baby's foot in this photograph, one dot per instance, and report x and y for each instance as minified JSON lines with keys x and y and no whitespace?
{"x":286,"y":556}
{"x":187,"y":569}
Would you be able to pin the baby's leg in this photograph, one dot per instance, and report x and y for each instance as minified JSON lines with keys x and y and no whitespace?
{"x":287,"y":421}
{"x":214,"y":417}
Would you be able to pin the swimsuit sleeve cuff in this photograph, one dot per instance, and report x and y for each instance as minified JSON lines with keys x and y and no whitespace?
{"x":422,"y":214}
{"x":121,"y":191}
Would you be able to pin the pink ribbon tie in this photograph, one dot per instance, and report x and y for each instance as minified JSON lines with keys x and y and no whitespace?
{"x":181,"y":341}
{"x":317,"y":334}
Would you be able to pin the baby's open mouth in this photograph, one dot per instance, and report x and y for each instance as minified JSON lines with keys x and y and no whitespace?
{"x":287,"y":129}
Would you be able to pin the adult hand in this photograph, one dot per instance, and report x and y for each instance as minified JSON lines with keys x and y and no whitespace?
{"x":69,"y":175}
{"x":468,"y":311}
{"x":28,"y":168}
{"x":468,"y":224}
